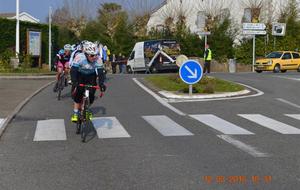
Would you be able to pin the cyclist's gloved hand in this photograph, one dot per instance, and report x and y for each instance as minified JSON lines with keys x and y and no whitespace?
{"x":102,"y":87}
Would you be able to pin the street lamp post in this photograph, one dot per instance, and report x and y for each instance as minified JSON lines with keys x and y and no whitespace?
{"x":50,"y":43}
{"x":17,"y":30}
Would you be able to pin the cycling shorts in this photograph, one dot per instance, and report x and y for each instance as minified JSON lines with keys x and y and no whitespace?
{"x":63,"y":65}
{"x":79,"y":91}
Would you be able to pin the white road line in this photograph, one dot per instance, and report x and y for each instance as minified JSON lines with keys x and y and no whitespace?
{"x":2,"y":122}
{"x":109,"y":127}
{"x":167,"y":127}
{"x":50,"y":130}
{"x":295,"y":116}
{"x":158,"y":98}
{"x":244,"y":147}
{"x":221,"y":125}
{"x":288,"y":102}
{"x":290,"y":78}
{"x":271,"y":123}
{"x":178,"y":100}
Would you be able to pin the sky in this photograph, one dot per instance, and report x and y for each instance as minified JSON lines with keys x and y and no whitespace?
{"x":39,"y":8}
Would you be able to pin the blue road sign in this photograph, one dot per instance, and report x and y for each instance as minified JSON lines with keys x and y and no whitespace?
{"x":190,"y":72}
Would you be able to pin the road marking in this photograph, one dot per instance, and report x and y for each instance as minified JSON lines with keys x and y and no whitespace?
{"x":287,"y":102}
{"x":290,"y":78}
{"x":244,"y":147}
{"x":295,"y":116}
{"x":171,"y":98}
{"x":221,"y":125}
{"x":1,"y":122}
{"x":158,"y":98}
{"x":167,"y":127}
{"x":271,"y":123}
{"x":50,"y":130}
{"x":109,"y":127}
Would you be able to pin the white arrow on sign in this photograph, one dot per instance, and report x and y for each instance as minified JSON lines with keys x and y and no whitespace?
{"x":194,"y":74}
{"x":254,"y":32}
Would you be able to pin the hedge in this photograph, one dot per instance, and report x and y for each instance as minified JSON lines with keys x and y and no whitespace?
{"x":8,"y":36}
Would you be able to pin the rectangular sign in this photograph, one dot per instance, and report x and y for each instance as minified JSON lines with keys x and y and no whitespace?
{"x":34,"y":43}
{"x":254,"y":26}
{"x":254,"y":32}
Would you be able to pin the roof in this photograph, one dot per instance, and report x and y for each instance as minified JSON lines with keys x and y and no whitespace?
{"x":22,"y":14}
{"x":5,"y":15}
{"x":159,"y":6}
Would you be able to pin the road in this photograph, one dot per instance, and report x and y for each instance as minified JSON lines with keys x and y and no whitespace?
{"x":139,"y":143}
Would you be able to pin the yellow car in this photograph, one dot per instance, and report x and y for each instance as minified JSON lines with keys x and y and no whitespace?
{"x":279,"y":61}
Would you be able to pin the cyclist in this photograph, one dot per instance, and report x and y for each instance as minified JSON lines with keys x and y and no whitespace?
{"x":86,"y":67}
{"x":62,"y":64}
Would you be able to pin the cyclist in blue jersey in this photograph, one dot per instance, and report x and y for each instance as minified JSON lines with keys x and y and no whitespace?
{"x":86,"y":67}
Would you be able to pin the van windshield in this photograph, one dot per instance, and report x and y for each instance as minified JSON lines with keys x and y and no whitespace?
{"x":274,"y":55}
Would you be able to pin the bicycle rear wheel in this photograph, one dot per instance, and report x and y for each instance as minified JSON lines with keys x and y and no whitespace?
{"x":84,"y":131}
{"x":60,"y":86}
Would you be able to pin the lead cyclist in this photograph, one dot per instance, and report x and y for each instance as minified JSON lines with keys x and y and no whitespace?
{"x":86,"y":68}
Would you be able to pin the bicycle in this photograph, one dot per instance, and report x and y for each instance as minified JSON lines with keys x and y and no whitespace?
{"x":61,"y":83}
{"x":84,"y":117}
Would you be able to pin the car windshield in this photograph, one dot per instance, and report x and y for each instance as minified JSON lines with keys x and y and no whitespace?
{"x":274,"y":55}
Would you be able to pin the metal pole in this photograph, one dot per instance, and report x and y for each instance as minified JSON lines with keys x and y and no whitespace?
{"x":274,"y":43}
{"x":50,"y":43}
{"x":190,"y":89}
{"x":205,"y":42}
{"x":17,"y":30}
{"x":253,"y":58}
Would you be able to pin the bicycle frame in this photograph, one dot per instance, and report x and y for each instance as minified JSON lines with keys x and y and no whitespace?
{"x":83,"y":117}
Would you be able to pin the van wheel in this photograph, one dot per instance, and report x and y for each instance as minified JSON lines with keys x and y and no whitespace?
{"x":154,"y":69}
{"x":258,"y":71}
{"x":283,"y":71}
{"x":129,"y":70}
{"x":276,"y":68}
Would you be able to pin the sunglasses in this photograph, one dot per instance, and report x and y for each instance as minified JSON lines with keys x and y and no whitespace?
{"x":92,"y":55}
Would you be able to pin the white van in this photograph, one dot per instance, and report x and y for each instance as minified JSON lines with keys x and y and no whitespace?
{"x":153,"y":56}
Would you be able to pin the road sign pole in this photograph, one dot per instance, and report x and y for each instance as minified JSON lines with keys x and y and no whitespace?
{"x":253,"y":58}
{"x":190,"y":89}
{"x":205,"y":42}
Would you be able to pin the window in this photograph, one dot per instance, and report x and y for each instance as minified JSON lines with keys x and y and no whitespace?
{"x":296,"y":56}
{"x":131,"y":55}
{"x":286,"y":56}
{"x":274,"y":55}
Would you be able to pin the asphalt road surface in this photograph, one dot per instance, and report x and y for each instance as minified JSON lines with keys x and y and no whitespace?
{"x":139,"y":143}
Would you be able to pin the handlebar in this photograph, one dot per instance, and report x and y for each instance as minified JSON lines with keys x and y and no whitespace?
{"x":89,"y":86}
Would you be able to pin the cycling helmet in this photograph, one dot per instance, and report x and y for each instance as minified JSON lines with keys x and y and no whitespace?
{"x":67,"y":47}
{"x":90,"y":48}
{"x":61,"y":52}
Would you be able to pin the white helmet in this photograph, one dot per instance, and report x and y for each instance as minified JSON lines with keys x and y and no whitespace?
{"x":90,"y":48}
{"x":67,"y":47}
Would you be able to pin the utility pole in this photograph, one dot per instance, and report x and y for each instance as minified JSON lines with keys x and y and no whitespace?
{"x":50,"y":43}
{"x":17,"y":30}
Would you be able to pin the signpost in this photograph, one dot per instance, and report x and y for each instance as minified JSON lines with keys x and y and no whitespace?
{"x":254,"y":29}
{"x":190,"y":72}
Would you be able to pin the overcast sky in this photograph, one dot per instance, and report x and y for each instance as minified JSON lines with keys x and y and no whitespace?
{"x":39,"y":8}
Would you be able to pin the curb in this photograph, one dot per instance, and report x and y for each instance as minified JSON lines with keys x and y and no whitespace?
{"x":26,"y":77}
{"x":19,"y":107}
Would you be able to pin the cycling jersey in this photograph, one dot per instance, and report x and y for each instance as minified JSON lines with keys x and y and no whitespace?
{"x":84,"y":66}
{"x":73,"y":55}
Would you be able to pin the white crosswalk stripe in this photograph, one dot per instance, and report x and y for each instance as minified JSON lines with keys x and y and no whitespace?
{"x":295,"y":116}
{"x":165,"y":126}
{"x":221,"y":125}
{"x":271,"y":123}
{"x":109,"y":127}
{"x":50,"y":130}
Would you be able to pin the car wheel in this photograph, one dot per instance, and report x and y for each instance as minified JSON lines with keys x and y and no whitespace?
{"x":154,"y":69}
{"x":258,"y":71}
{"x":283,"y":71}
{"x":276,"y":68}
{"x":129,"y":70}
{"x":298,"y":69}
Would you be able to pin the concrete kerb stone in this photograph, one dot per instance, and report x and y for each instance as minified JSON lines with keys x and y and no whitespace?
{"x":22,"y":104}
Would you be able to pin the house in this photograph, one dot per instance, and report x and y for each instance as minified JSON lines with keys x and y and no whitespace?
{"x":197,"y":12}
{"x":23,"y":16}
